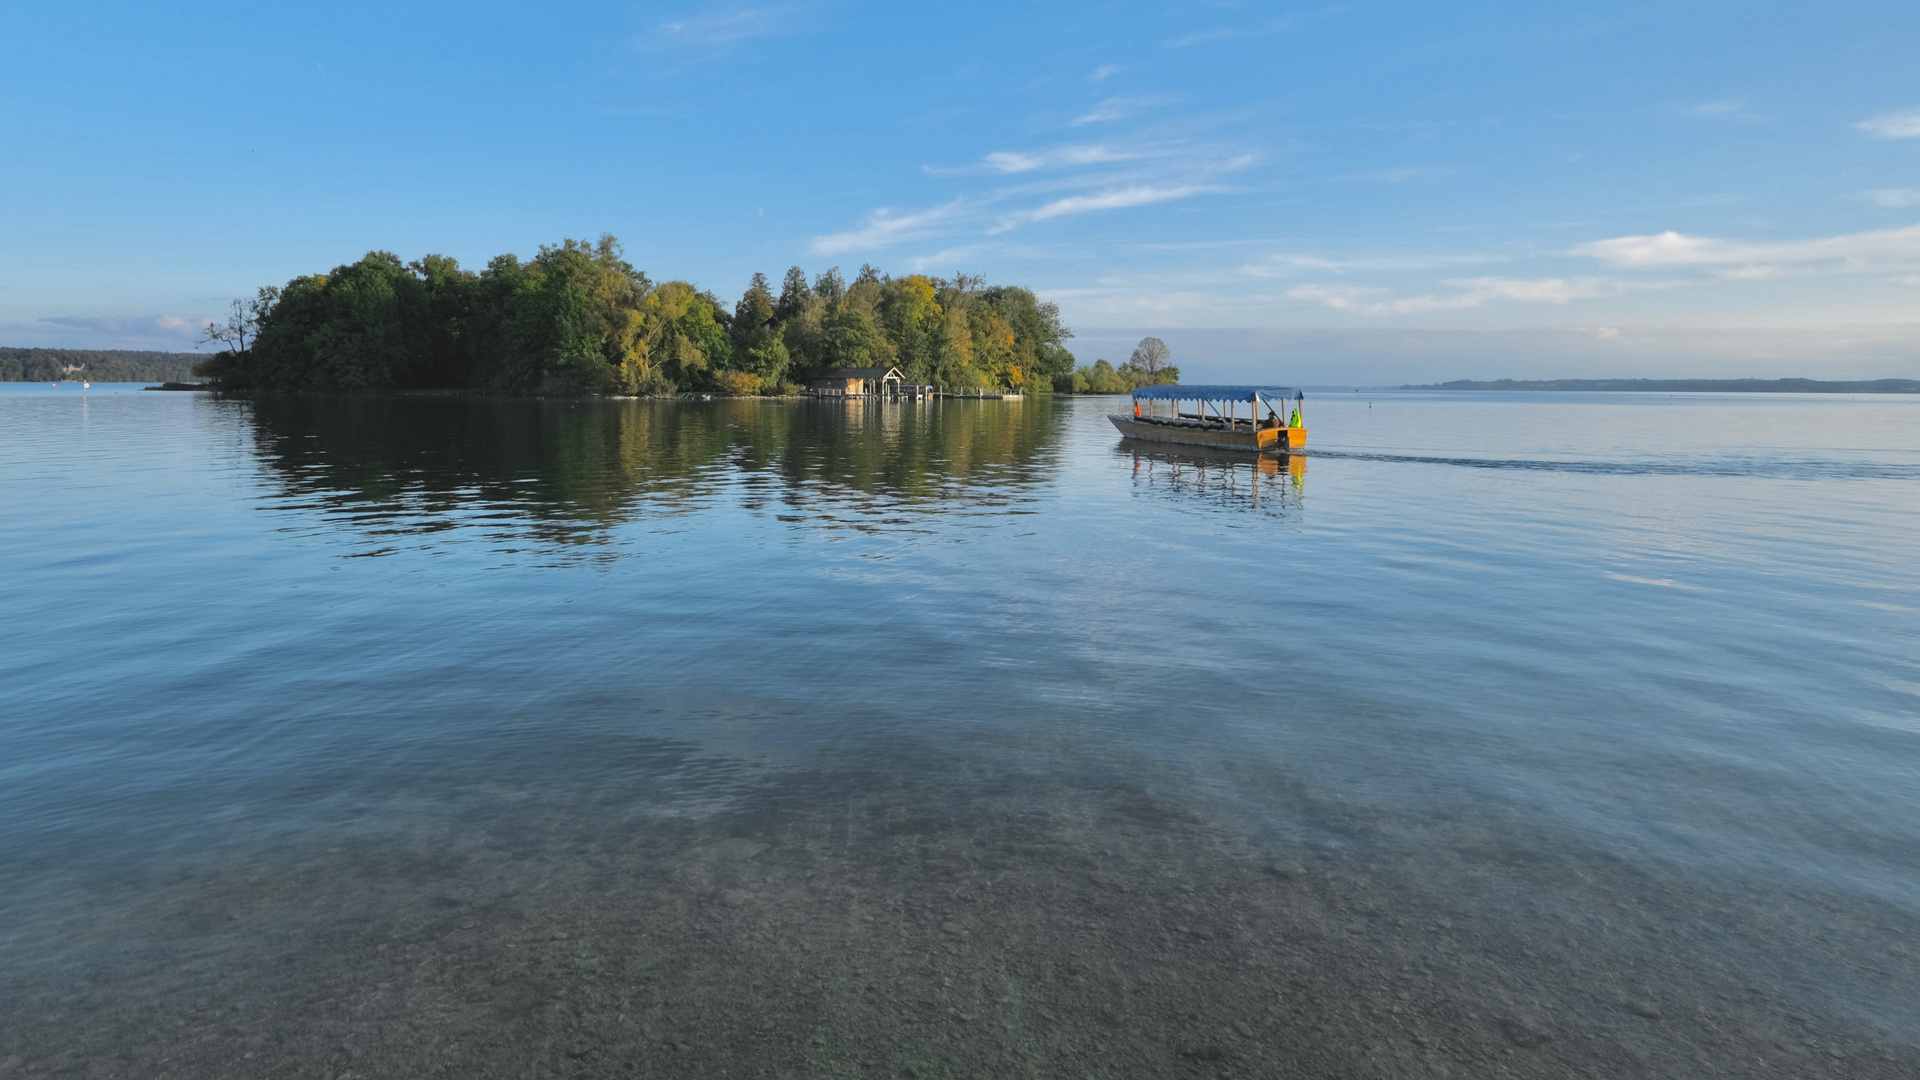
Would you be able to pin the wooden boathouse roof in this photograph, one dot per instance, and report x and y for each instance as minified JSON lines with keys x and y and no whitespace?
{"x":862,"y":373}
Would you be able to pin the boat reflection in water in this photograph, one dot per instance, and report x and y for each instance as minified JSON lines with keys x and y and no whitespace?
{"x":1225,"y":479}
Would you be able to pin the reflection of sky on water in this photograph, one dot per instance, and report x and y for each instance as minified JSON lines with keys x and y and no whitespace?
{"x":1700,"y":674}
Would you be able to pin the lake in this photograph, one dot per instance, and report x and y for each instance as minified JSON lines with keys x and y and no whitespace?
{"x":1536,"y":734}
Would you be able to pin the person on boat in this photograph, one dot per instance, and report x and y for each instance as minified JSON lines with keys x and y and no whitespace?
{"x":1294,"y":420}
{"x":1272,"y":420}
{"x":1136,"y":408}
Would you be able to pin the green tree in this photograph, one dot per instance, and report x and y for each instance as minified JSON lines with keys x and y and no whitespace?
{"x":757,"y":347}
{"x":579,"y":318}
{"x":794,"y":295}
{"x":911,"y":317}
{"x":1037,"y":353}
{"x":360,"y":328}
{"x":850,"y":339}
{"x":448,"y":298}
{"x":1148,"y":365}
{"x":830,"y":286}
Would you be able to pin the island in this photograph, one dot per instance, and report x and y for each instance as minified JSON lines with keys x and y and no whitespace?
{"x":579,"y":319}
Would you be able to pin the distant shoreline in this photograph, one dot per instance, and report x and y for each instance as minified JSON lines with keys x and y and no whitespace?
{"x":95,"y":365}
{"x":1687,"y":386}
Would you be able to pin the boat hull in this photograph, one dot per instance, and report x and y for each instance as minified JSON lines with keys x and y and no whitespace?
{"x":1251,"y":440}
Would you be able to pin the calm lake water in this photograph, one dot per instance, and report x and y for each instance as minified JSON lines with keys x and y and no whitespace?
{"x":1554,"y":733}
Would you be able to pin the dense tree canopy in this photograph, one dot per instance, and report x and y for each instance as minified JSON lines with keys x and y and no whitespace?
{"x":578,"y":318}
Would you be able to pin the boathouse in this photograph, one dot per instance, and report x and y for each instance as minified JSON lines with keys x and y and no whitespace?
{"x":855,"y":381}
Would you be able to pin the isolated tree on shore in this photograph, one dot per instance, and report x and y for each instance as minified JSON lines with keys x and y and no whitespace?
{"x":243,"y":322}
{"x":228,"y":368}
{"x":1149,"y":357}
{"x":1146,"y":367}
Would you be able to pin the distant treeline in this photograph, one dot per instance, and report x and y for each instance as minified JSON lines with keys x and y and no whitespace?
{"x":578,"y":318}
{"x":98,"y":365}
{"x":1146,"y":367}
{"x":1688,"y":386}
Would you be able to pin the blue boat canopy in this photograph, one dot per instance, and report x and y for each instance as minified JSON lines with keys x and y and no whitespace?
{"x":1215,"y":393}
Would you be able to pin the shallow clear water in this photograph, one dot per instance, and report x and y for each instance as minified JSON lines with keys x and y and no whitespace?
{"x":1473,"y":647}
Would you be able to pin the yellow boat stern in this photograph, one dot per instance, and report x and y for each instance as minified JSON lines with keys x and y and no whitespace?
{"x":1286,"y":438}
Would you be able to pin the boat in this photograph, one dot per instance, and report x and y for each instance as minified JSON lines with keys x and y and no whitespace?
{"x":1161,"y":414}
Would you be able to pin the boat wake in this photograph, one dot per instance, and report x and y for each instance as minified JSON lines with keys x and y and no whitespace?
{"x":1799,"y":468}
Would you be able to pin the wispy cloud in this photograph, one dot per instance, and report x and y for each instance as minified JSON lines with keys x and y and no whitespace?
{"x":884,"y":227}
{"x":129,"y":324}
{"x":1893,"y":197}
{"x":1468,"y":293}
{"x":1893,"y":125}
{"x":1104,"y":72}
{"x":1286,"y":263}
{"x":1105,"y":200}
{"x":726,"y":27}
{"x":1201,"y":37}
{"x":168,"y":333}
{"x":1853,"y":252}
{"x":1228,"y":33}
{"x":948,"y":258}
{"x":1408,"y":174}
{"x":1734,"y":109}
{"x":1050,"y":183}
{"x":1114,"y":108}
{"x":1054,"y":157}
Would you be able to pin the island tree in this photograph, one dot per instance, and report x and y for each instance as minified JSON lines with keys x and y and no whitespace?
{"x":578,"y":318}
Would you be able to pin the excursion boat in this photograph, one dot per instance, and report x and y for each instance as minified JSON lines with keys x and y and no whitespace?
{"x":1237,"y":417}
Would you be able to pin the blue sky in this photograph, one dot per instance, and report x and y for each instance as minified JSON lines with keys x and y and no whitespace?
{"x":1354,"y":190}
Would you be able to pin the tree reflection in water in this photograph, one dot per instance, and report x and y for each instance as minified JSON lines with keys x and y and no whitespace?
{"x":569,"y":472}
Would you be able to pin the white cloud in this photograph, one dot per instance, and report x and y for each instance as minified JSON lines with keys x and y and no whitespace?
{"x":1893,"y":197}
{"x":1104,"y":72}
{"x":1854,"y":252}
{"x":1725,"y":109}
{"x":1718,"y":108}
{"x":1893,"y":125}
{"x":1109,"y":200}
{"x":129,"y":325}
{"x":1472,"y":293}
{"x":166,"y":333}
{"x":1283,"y":263}
{"x":1056,"y":157}
{"x":1156,"y":304}
{"x":948,"y":259}
{"x":726,"y":27}
{"x":1114,"y":108}
{"x":1408,"y":174}
{"x":1202,"y":37}
{"x":1139,"y":195}
{"x":1047,"y":183}
{"x":1225,"y":33}
{"x":883,"y":227}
